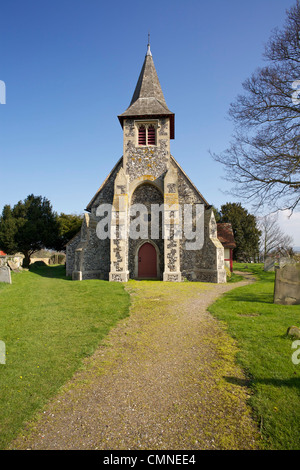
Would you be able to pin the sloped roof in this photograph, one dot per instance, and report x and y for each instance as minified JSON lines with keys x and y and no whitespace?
{"x":225,"y":235}
{"x":90,"y":204}
{"x":191,"y":183}
{"x":2,"y":253}
{"x":148,"y":98}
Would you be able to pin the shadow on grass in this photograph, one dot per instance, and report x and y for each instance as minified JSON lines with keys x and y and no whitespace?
{"x":55,"y":272}
{"x":293,"y":382}
{"x":261,"y":298}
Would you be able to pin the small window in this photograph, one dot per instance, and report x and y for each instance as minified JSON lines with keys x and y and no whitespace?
{"x":142,"y":135}
{"x":151,"y":135}
{"x":147,"y":135}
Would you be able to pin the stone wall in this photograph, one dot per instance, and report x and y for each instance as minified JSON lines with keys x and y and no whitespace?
{"x":146,"y":160}
{"x":206,"y":264}
{"x":86,"y":254}
{"x":146,"y":194}
{"x":70,"y":254}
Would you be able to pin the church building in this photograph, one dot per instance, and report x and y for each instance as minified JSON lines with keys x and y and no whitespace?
{"x":147,"y":220}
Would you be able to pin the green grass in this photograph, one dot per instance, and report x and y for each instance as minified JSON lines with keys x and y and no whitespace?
{"x":49,"y":325}
{"x":234,"y":278}
{"x":260,"y":326}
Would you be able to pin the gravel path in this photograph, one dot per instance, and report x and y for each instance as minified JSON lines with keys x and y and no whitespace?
{"x":158,"y":382}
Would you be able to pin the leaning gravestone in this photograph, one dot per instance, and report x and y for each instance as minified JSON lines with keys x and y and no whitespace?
{"x":287,"y":285}
{"x":5,"y":274}
{"x":13,"y":266}
{"x":269,"y":264}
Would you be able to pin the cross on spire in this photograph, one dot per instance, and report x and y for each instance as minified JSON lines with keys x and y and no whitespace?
{"x":148,"y":47}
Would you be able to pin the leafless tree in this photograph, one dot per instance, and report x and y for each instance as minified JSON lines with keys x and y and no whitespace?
{"x":272,"y":239}
{"x":263,"y":159}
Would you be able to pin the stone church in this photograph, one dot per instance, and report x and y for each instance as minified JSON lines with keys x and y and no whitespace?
{"x":147,"y":176}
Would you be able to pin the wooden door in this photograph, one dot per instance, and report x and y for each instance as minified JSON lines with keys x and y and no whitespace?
{"x":147,"y":262}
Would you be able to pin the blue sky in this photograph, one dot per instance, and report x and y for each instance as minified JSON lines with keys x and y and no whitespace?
{"x":71,"y":66}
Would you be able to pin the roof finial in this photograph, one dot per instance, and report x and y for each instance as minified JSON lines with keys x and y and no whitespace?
{"x":148,"y":48}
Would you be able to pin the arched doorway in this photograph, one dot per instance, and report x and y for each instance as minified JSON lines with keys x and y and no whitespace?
{"x":146,"y":194}
{"x":147,"y":261}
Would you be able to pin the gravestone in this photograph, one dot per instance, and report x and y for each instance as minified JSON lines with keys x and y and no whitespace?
{"x":287,"y":285}
{"x":283,"y":261}
{"x":5,"y":274}
{"x":13,"y":266}
{"x":269,"y":264}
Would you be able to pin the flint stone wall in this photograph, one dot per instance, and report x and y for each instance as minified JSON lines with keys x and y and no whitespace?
{"x":146,"y":160}
{"x":146,"y":194}
{"x":94,"y":259}
{"x":70,"y":254}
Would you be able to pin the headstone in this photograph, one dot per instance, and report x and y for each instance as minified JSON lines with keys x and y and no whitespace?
{"x":269,"y":264}
{"x":283,"y":261}
{"x":5,"y":274}
{"x":287,"y":285}
{"x":13,"y":266}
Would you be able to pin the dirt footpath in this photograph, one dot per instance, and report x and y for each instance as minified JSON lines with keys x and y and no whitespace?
{"x":158,"y":382}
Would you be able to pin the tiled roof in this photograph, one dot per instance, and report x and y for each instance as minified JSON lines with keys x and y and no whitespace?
{"x":225,"y":235}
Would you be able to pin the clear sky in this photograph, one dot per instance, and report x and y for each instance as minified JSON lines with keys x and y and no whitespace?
{"x":71,"y":66}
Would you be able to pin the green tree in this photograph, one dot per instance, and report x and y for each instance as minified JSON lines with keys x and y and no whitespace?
{"x":8,"y":229}
{"x":29,"y":226}
{"x":246,"y":233}
{"x":216,"y":214}
{"x":69,"y":226}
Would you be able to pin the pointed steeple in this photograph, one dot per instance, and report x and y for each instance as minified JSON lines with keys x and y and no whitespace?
{"x":148,"y":99}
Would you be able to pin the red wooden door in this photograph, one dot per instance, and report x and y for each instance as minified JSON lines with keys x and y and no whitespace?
{"x":147,"y":261}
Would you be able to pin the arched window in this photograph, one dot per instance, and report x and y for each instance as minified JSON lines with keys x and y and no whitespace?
{"x":151,"y":135}
{"x":142,"y":135}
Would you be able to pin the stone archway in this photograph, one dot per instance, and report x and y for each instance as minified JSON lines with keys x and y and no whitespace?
{"x":146,"y":194}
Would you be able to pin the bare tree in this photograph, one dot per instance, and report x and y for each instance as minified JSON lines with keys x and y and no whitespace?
{"x":272,"y":239}
{"x":263,"y":160}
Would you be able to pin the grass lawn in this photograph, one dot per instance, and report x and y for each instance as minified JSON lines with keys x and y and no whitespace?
{"x":260,"y":326}
{"x":49,"y":325}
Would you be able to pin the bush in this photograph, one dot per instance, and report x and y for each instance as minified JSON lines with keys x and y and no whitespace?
{"x":228,"y":272}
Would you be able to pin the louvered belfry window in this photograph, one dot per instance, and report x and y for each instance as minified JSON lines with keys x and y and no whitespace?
{"x":142,"y":135}
{"x":146,"y":134}
{"x":151,"y":135}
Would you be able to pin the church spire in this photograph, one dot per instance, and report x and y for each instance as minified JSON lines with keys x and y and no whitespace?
{"x":148,"y":98}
